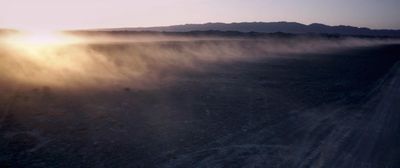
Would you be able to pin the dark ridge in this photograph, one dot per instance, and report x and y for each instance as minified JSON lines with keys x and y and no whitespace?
{"x":222,"y":34}
{"x":7,"y":31}
{"x":269,"y":27}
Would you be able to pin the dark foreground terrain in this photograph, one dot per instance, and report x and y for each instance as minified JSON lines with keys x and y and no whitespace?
{"x":337,"y":109}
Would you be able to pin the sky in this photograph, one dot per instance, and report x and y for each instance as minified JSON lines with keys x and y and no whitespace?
{"x":86,"y":14}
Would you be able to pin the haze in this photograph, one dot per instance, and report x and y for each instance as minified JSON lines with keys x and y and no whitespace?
{"x":77,"y":14}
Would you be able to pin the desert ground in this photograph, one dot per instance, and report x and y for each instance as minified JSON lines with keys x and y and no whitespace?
{"x":208,"y":103}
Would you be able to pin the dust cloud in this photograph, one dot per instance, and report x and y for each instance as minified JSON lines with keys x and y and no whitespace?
{"x":142,"y":62}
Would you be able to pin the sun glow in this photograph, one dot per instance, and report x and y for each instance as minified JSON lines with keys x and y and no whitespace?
{"x":46,"y":38}
{"x":40,"y":39}
{"x":43,"y":57}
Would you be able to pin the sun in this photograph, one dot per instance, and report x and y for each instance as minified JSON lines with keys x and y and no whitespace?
{"x":40,"y":38}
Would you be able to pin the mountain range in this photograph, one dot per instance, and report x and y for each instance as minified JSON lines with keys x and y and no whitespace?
{"x":270,"y":27}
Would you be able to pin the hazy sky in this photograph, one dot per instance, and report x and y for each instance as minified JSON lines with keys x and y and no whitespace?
{"x":66,"y":14}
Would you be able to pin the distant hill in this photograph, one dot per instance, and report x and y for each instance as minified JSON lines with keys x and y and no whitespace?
{"x":6,"y":31}
{"x":270,"y":27}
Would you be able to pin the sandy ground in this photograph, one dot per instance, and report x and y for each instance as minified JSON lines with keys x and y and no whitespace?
{"x":334,"y":109}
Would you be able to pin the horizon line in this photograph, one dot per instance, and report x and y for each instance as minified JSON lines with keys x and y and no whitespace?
{"x":203,"y":23}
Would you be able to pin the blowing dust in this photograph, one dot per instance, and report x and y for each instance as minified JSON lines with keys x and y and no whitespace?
{"x":143,"y":62}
